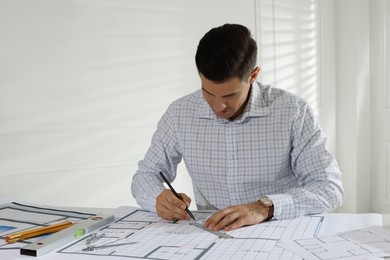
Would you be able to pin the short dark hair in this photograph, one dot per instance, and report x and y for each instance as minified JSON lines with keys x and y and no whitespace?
{"x":225,"y":52}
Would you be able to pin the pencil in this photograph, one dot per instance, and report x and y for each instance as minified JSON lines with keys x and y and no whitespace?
{"x":177,"y":195}
{"x":19,"y":236}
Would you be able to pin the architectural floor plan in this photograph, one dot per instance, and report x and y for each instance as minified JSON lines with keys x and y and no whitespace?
{"x":138,"y":234}
{"x":373,"y":242}
{"x":142,"y":234}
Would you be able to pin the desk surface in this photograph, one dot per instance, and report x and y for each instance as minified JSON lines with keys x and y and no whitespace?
{"x":330,"y":224}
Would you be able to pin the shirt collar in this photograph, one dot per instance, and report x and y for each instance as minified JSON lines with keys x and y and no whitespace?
{"x":257,"y":106}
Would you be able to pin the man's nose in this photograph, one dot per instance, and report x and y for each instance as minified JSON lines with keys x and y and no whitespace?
{"x":219,"y":105}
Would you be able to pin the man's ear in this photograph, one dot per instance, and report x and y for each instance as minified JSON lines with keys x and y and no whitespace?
{"x":252,"y":77}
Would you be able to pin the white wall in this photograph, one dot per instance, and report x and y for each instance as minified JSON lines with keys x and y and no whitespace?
{"x":353,"y":101}
{"x":380,"y":104}
{"x":83,"y":84}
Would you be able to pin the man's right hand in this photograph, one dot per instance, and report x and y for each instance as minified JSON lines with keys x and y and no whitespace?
{"x":169,"y":207}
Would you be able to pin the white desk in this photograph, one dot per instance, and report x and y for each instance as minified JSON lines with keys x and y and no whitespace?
{"x":334,"y":223}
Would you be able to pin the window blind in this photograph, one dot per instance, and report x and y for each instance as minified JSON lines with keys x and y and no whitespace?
{"x":288,"y":39}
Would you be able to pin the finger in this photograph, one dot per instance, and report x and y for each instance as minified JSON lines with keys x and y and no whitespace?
{"x":166,"y":213}
{"x":161,"y":208}
{"x":169,"y":199}
{"x":247,"y":214}
{"x":173,"y":200}
{"x":171,"y":213}
{"x":185,"y":198}
{"x":187,"y":202}
{"x":168,"y":206}
{"x":226,"y":221}
{"x":215,"y":218}
{"x":240,"y":222}
{"x":177,"y":207}
{"x":162,"y":212}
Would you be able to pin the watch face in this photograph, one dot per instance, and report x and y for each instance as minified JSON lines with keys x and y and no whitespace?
{"x":267,"y":201}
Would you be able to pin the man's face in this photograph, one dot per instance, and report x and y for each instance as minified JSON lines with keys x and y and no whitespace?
{"x":227,"y":99}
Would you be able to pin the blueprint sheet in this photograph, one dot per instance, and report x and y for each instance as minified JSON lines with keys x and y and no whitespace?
{"x":368,"y":243}
{"x":142,"y":234}
{"x":139,"y":234}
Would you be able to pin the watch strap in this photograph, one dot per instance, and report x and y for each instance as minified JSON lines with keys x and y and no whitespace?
{"x":267,"y":202}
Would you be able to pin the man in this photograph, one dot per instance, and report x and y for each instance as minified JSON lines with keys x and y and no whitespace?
{"x":253,"y":152}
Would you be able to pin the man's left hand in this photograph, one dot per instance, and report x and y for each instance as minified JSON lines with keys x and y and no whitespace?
{"x":236,"y":216}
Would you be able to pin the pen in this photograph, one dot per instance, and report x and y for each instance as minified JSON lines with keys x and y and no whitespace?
{"x":19,"y":236}
{"x":177,"y":195}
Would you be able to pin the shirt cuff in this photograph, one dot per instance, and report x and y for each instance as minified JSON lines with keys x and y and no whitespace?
{"x":283,"y":204}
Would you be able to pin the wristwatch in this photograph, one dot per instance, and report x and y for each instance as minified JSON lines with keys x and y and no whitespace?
{"x":267,"y":202}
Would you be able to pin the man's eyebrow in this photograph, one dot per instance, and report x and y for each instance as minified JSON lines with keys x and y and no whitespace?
{"x":228,"y":95}
{"x":207,"y":91}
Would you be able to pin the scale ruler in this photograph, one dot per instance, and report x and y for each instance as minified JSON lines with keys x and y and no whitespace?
{"x":217,"y":233}
{"x":65,"y":236}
